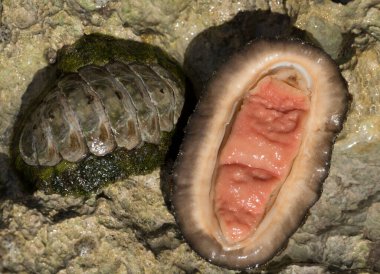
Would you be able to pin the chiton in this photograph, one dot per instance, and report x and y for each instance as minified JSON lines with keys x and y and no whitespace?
{"x":110,"y":113}
{"x":256,"y":151}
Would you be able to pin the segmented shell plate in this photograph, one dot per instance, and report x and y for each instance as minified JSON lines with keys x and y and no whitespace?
{"x":100,"y":108}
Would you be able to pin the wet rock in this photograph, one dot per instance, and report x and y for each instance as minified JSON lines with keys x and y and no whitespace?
{"x":328,"y":36}
{"x":90,"y":5}
{"x":372,"y":222}
{"x":374,"y":256}
{"x":150,"y":16}
{"x":129,"y":222}
{"x":304,"y":269}
{"x":5,"y":34}
{"x":345,"y":252}
{"x":363,"y":124}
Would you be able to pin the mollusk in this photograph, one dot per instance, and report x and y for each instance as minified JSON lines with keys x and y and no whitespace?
{"x":257,"y":150}
{"x":110,"y":114}
{"x":99,"y":108}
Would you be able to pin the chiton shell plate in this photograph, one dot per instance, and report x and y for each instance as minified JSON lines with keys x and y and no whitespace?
{"x":99,"y":108}
{"x":257,"y":150}
{"x":109,"y":113}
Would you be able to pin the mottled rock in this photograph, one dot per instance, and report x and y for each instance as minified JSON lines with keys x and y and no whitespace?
{"x":129,"y":221}
{"x":304,"y":269}
{"x":345,"y":252}
{"x":325,"y":34}
{"x":374,"y":256}
{"x":90,"y":5}
{"x":5,"y":34}
{"x":363,"y":123}
{"x":372,"y":222}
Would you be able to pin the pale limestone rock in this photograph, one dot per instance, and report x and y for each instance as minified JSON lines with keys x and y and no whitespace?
{"x":126,"y":228}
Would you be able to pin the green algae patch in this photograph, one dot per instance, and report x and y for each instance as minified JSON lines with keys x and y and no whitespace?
{"x":93,"y":172}
{"x":99,"y":49}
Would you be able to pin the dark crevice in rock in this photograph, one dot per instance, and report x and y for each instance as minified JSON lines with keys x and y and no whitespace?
{"x":63,"y":215}
{"x":166,"y":171}
{"x":34,"y":203}
{"x":342,"y":230}
{"x":10,"y":185}
{"x":374,"y":256}
{"x":166,"y":180}
{"x":104,"y":196}
{"x":5,"y":137}
{"x":212,"y":47}
{"x":365,"y":204}
{"x":278,"y":266}
{"x":65,"y":263}
{"x":31,"y":203}
{"x":7,"y":270}
{"x":162,"y":230}
{"x":188,"y":270}
{"x":289,"y":262}
{"x":3,"y":224}
{"x":341,"y":226}
{"x":147,"y":238}
{"x":347,"y":50}
{"x":341,"y":50}
{"x":160,"y":239}
{"x":86,"y":15}
{"x":147,"y":31}
{"x":106,"y":12}
{"x":139,"y":234}
{"x":338,"y":270}
{"x":343,"y":2}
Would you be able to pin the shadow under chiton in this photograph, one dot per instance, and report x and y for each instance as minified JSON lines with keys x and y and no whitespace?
{"x":257,"y":150}
{"x":109,"y":114}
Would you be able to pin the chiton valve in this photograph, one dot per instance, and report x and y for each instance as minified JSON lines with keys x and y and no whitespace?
{"x":257,"y":150}
{"x":109,"y":114}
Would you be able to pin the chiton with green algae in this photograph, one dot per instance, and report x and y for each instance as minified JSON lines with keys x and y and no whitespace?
{"x":109,"y":113}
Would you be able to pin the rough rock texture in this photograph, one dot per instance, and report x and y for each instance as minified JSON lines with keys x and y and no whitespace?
{"x":126,"y":227}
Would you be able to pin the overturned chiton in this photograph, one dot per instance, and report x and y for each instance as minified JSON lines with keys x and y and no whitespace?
{"x":257,"y":150}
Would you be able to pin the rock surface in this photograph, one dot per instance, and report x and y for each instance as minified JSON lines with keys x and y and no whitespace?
{"x":126,"y":227}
